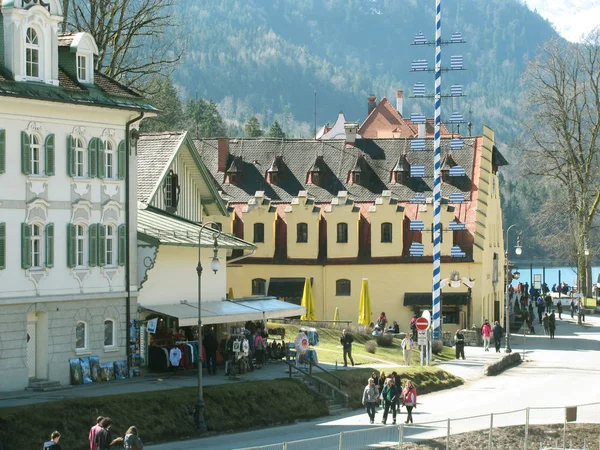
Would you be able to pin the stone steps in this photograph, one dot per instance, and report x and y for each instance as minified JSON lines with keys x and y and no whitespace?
{"x":45,"y":386}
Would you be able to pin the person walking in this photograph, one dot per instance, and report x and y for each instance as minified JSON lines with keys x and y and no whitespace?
{"x":407,"y":347}
{"x":486,"y":331}
{"x":381,"y":381}
{"x":409,"y":400}
{"x":545,"y":323}
{"x":497,"y":332}
{"x":572,"y":307}
{"x":346,"y":340}
{"x":540,"y":307}
{"x":92,"y":433}
{"x":413,"y":326}
{"x":552,"y":324}
{"x":559,"y":308}
{"x":389,"y":395}
{"x":459,"y":338}
{"x":105,"y":438}
{"x":53,"y":444}
{"x":132,"y":440}
{"x":210,"y":346}
{"x":398,"y":385}
{"x":370,"y":398}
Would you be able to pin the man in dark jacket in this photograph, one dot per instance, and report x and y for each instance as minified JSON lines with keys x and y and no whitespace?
{"x":105,"y":438}
{"x":459,"y":337}
{"x":497,"y":331}
{"x":53,"y":444}
{"x":211,"y":345}
{"x":346,"y":341}
{"x":390,"y":396}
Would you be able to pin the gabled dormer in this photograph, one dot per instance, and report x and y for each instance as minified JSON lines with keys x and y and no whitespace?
{"x":317,"y":173}
{"x":401,"y":170}
{"x":276,"y":171}
{"x":451,"y":169}
{"x":359,"y":173}
{"x":234,"y":172}
{"x":30,"y":39}
{"x":77,"y":52}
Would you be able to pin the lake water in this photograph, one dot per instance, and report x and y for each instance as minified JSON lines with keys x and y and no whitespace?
{"x":567,"y":274}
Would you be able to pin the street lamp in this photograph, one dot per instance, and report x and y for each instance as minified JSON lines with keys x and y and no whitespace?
{"x":215,"y":265}
{"x":509,"y":277}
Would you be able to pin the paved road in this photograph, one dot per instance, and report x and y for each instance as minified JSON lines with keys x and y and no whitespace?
{"x":556,"y":373}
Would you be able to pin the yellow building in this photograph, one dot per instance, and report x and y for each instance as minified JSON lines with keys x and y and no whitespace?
{"x":342,"y":210}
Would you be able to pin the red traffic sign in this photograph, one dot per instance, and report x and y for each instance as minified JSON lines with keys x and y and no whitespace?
{"x":422,"y":323}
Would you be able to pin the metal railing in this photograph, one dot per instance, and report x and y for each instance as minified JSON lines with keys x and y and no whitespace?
{"x":322,"y":385}
{"x":560,"y":427}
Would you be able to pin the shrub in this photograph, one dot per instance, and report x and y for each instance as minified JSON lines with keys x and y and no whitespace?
{"x":385,"y":340}
{"x":371,"y":346}
{"x":437,"y":347}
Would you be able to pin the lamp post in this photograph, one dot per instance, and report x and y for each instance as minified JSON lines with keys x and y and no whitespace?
{"x":509,"y":277}
{"x":215,"y":266}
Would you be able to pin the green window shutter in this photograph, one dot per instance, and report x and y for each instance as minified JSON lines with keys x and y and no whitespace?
{"x":70,"y":158}
{"x":93,"y":157}
{"x":49,"y":235}
{"x":101,"y":166}
{"x":49,"y":156}
{"x":121,"y":160}
{"x":2,"y":151}
{"x":25,"y":154}
{"x":101,"y":245}
{"x":93,"y":242}
{"x":71,"y":244}
{"x":122,"y":232}
{"x":25,"y":245}
{"x":2,"y":246}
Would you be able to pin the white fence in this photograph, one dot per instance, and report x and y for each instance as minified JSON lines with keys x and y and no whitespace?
{"x":575,"y":427}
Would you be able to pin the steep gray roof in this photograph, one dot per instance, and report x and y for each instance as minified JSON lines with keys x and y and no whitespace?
{"x":381,"y":155}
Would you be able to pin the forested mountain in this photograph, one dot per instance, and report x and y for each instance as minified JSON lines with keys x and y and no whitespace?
{"x":268,"y":57}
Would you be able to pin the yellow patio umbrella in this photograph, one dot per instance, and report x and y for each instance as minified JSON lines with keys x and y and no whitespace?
{"x":336,"y":314}
{"x":364,"y":305}
{"x":230,"y":294}
{"x":308,"y":301}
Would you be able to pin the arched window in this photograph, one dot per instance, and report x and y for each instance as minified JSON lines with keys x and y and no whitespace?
{"x":32,"y":54}
{"x":302,"y":232}
{"x":109,"y":246}
{"x":342,"y":287}
{"x":109,"y":333}
{"x":35,"y":148}
{"x":81,"y":336}
{"x":259,"y":286}
{"x":342,"y":232}
{"x":37,"y":260}
{"x":80,"y":152}
{"x":386,"y":232}
{"x":259,"y":232}
{"x":109,"y":161}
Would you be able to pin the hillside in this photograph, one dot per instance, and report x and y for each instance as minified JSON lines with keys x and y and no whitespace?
{"x":269,"y":57}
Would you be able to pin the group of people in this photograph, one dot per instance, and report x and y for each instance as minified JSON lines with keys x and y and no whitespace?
{"x":102,"y":437}
{"x":388,"y":392}
{"x":381,"y":326}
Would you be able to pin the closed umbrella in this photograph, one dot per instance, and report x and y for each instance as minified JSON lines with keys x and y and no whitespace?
{"x":336,"y":314}
{"x":308,"y":301}
{"x":364,"y":305}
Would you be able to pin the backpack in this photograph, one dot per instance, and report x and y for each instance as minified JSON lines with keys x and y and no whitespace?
{"x":413,"y":325}
{"x":103,"y":439}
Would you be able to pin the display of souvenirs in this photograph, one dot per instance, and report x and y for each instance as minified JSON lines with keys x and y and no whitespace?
{"x":120,"y":370}
{"x":86,"y":372}
{"x":76,"y":374}
{"x":107,"y":370}
{"x":95,"y":369}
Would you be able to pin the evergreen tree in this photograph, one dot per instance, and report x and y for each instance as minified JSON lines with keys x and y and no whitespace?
{"x":164,"y":96}
{"x":212,"y":124}
{"x":194,"y":113}
{"x":252,"y":128}
{"x":275,"y":131}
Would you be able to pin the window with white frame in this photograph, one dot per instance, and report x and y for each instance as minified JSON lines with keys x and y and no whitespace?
{"x":32,"y":54}
{"x":82,"y":68}
{"x":81,"y":245}
{"x":109,"y":236}
{"x":109,"y":333}
{"x":109,"y":160}
{"x":81,"y":336}
{"x":35,"y":147}
{"x":80,"y":152}
{"x":37,"y":260}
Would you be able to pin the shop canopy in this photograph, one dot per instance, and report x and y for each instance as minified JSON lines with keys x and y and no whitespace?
{"x":286,"y":287}
{"x":228,"y":311}
{"x":424,"y":298}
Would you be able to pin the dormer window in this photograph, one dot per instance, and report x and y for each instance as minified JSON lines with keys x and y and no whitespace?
{"x":171,"y":191}
{"x":356,"y":177}
{"x":82,"y":68}
{"x":32,"y":54}
{"x":315,"y":178}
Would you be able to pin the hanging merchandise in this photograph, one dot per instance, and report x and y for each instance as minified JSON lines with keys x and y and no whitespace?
{"x":152,"y":325}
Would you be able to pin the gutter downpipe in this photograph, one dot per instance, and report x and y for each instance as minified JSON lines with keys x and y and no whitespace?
{"x":127,"y":240}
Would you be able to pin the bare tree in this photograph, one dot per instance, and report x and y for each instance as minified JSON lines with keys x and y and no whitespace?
{"x":135,"y":38}
{"x":562,"y":127}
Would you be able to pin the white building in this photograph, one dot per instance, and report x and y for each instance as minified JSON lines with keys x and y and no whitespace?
{"x":65,"y":132}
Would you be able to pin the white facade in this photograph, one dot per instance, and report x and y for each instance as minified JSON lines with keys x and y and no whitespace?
{"x":62,"y":216}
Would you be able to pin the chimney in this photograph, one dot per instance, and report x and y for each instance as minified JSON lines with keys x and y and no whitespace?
{"x":372,"y":103}
{"x":421,"y":131}
{"x":223,"y":154}
{"x":351,"y":128}
{"x":399,"y":101}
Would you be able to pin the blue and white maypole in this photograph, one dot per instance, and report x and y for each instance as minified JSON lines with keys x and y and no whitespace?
{"x":420,"y":65}
{"x":437,"y":182}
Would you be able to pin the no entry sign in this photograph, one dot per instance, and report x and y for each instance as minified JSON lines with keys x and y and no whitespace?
{"x":422,"y":323}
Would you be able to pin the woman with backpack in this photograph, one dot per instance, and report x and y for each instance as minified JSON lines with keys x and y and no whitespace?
{"x":132,"y":440}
